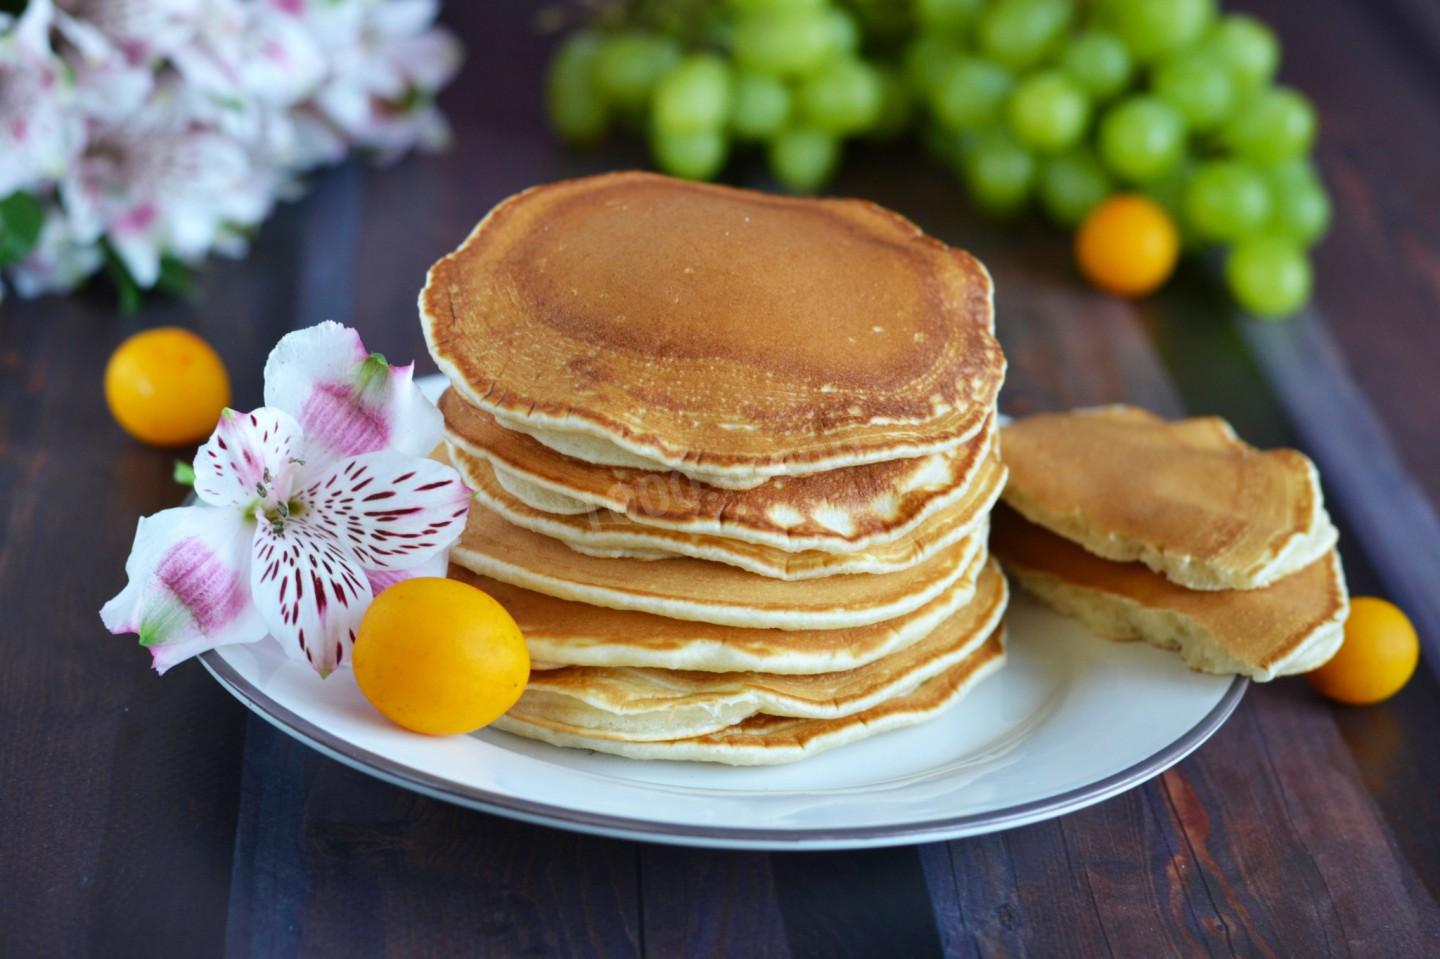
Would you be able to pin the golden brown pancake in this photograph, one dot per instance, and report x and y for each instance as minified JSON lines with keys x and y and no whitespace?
{"x":561,"y":632}
{"x":1188,"y":499}
{"x":649,"y":704}
{"x":841,"y":510}
{"x":1290,"y":626}
{"x":769,"y":740}
{"x":694,"y":589}
{"x":605,"y":533}
{"x":728,"y":334}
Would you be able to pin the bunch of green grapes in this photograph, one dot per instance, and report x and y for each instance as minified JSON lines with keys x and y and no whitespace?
{"x":783,"y":75}
{"x":1068,"y":103}
{"x":1058,"y":102}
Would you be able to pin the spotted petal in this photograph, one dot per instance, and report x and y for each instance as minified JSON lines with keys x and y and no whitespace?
{"x":250,"y":457}
{"x":189,"y":585}
{"x":393,"y":511}
{"x":348,"y":401}
{"x":383,"y":579}
{"x":309,"y":588}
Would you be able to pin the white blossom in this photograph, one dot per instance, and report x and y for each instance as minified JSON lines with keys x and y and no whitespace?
{"x":170,"y":127}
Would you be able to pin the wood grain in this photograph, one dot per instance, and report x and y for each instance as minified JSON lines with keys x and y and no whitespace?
{"x":1371,"y":69}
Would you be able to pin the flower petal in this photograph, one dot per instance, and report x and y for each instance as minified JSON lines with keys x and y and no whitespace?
{"x":250,"y":457}
{"x":383,"y":579}
{"x":309,"y":588}
{"x":189,"y":587}
{"x":393,"y":511}
{"x":347,"y":400}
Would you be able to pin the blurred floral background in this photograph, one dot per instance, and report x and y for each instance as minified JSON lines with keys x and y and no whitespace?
{"x":138,"y":137}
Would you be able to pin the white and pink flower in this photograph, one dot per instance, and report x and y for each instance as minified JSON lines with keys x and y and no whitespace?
{"x":39,"y":128}
{"x":161,"y":184}
{"x":170,"y":127}
{"x":309,"y":506}
{"x":59,"y":261}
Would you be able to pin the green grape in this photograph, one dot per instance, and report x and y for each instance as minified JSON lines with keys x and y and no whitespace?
{"x":771,"y":6}
{"x":1226,"y":200}
{"x":969,"y":92}
{"x":1048,"y":111}
{"x":628,"y":64}
{"x":1169,"y":192}
{"x":950,"y":17}
{"x":1142,"y":138}
{"x":844,"y":32}
{"x":761,"y":108}
{"x":694,"y":97}
{"x":1018,"y":33}
{"x":1300,"y":205}
{"x":1270,"y":276}
{"x":842,"y":97}
{"x":896,"y":106}
{"x":1273,"y":125}
{"x":1071,"y":185}
{"x":1247,"y":47}
{"x":1199,"y":85}
{"x":694,"y":156}
{"x":998,"y":171}
{"x":785,"y":43}
{"x":1154,"y":28}
{"x":803,"y":159}
{"x":577,"y":111}
{"x":1099,"y":62}
{"x":925,"y":62}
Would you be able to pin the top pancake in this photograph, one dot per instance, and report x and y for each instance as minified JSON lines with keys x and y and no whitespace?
{"x":633,"y":319}
{"x":1188,"y":499}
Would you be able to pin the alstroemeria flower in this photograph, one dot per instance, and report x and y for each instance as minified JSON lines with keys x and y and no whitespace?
{"x":39,"y":130}
{"x":308,"y":507}
{"x":159,"y":184}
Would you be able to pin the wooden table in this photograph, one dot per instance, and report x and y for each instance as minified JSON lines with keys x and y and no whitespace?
{"x":150,"y":817}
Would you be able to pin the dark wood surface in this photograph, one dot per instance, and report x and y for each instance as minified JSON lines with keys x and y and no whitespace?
{"x":155,"y":817}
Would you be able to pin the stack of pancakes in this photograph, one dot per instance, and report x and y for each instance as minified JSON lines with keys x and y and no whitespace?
{"x":1177,"y":533}
{"x":734,"y":457}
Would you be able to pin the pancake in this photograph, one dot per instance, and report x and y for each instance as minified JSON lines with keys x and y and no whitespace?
{"x":649,"y":704}
{"x":841,"y":510}
{"x":637,"y":320}
{"x":1188,"y":499}
{"x":604,"y":533}
{"x":1292,"y":626}
{"x":694,"y":589}
{"x":769,"y":740}
{"x":562,"y":633}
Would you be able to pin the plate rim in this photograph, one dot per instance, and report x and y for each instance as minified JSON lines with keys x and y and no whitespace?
{"x":373,"y":764}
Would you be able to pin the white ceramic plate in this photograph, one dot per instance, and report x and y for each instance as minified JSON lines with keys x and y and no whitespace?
{"x":1072,"y":719}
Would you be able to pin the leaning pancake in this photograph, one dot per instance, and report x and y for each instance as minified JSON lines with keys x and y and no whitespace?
{"x":561,"y":633}
{"x":838,"y":511}
{"x":1188,"y":499}
{"x":605,"y":533}
{"x":694,"y":589}
{"x":650,"y":704}
{"x":1291,"y":626}
{"x":636,"y":320}
{"x":768,"y":740}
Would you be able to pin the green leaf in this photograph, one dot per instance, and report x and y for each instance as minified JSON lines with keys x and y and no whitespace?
{"x":184,"y":473}
{"x":127,"y":291}
{"x":174,"y":277}
{"x":21,"y":217}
